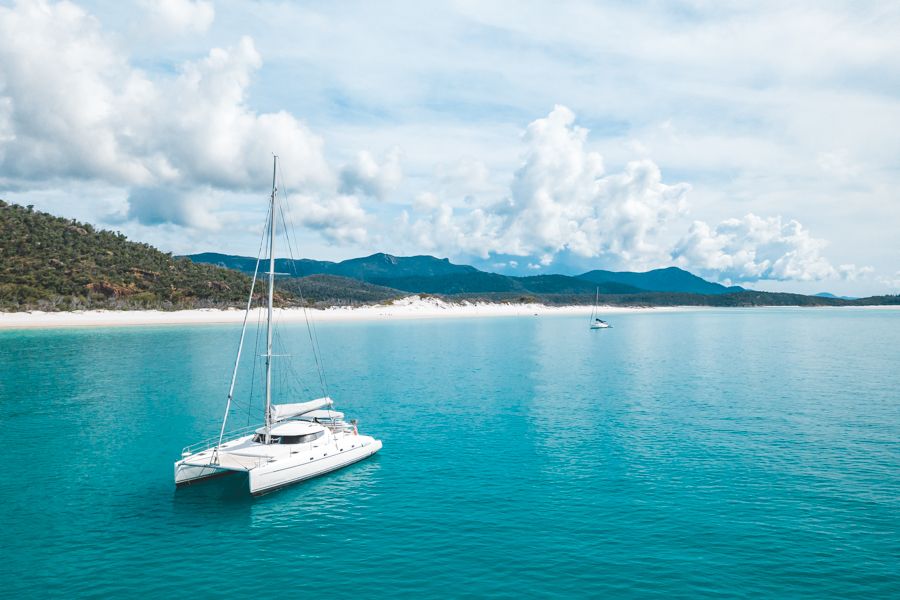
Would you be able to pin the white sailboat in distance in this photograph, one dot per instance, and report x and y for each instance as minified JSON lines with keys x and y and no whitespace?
{"x":297,"y":441}
{"x":596,"y":321}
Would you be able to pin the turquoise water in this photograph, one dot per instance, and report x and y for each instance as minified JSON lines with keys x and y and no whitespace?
{"x":742,"y":453}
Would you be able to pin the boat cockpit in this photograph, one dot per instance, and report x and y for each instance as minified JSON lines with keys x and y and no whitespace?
{"x":260,"y":438}
{"x":290,"y":432}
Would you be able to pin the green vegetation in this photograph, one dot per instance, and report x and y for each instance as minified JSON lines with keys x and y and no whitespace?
{"x":395,"y":276}
{"x":332,"y":290}
{"x":375,"y":268}
{"x":646,"y":299}
{"x":479,"y":282}
{"x":50,"y":263}
{"x":670,"y":279}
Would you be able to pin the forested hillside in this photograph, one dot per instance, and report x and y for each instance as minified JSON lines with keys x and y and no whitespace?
{"x":51,"y":263}
{"x":670,"y":279}
{"x":332,"y":290}
{"x":373,"y":269}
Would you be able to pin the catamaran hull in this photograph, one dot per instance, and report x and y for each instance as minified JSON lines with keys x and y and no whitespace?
{"x":285,"y":472}
{"x":188,"y":474}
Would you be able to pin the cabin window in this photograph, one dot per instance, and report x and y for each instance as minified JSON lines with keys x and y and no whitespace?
{"x":260,"y":438}
{"x":301,"y":439}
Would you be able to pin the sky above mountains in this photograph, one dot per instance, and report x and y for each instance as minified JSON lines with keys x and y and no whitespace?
{"x":755,"y":145}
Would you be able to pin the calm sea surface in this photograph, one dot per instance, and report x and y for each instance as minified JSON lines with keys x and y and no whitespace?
{"x":741,"y":453}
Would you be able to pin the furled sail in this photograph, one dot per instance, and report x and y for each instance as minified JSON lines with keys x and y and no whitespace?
{"x":281,"y":412}
{"x":331,"y":415}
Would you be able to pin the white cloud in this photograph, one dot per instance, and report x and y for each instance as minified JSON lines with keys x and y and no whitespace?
{"x":74,"y":107}
{"x":561,"y":200}
{"x":339,"y":219}
{"x":892,"y":282}
{"x":64,"y":90}
{"x":365,"y":175}
{"x":753,"y":248}
{"x":215,"y":137}
{"x":426,"y":202}
{"x":837,"y":165}
{"x":770,"y":109}
{"x":159,"y":205}
{"x":463,"y":177}
{"x":179,"y":16}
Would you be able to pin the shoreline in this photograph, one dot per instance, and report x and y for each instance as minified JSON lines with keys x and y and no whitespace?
{"x":411,"y":307}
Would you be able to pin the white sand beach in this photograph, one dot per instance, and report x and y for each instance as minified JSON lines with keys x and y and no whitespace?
{"x":411,"y":307}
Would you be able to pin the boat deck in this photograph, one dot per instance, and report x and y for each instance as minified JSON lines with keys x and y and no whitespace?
{"x":224,"y":460}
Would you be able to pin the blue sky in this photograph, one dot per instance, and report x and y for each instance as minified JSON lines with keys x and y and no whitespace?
{"x":753,"y":144}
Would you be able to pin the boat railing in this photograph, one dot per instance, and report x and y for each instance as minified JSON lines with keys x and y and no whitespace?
{"x":214,"y":441}
{"x":338,"y":426}
{"x":335,"y":426}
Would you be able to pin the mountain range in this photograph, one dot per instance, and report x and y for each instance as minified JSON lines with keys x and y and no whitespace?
{"x":429,"y":275}
{"x":53,"y":263}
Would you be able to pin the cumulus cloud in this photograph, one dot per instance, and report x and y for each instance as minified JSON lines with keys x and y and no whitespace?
{"x":366,"y":176}
{"x":62,"y":87}
{"x":73,"y":107}
{"x":179,"y":16}
{"x":463,"y":177}
{"x":157,"y":206}
{"x":892,"y":282}
{"x":561,"y":200}
{"x":340,"y":219}
{"x":216,"y":138}
{"x":753,"y":248}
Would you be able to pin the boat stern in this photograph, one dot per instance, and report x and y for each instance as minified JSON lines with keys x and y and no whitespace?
{"x":186,"y":474}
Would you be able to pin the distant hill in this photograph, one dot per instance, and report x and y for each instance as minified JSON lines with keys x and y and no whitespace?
{"x":333,"y":290}
{"x":377,"y":267}
{"x":830,"y":295}
{"x":671,"y":279}
{"x":430,"y":275}
{"x":382,"y":266}
{"x":746,"y":298}
{"x":380,"y":277}
{"x":563,"y":284}
{"x":479,"y":282}
{"x":51,"y":263}
{"x":299,"y":268}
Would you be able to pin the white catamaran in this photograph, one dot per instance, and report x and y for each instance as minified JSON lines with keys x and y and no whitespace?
{"x":596,"y":321}
{"x":297,"y":441}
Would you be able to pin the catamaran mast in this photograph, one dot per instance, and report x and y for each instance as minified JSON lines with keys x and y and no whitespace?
{"x":271,"y":295}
